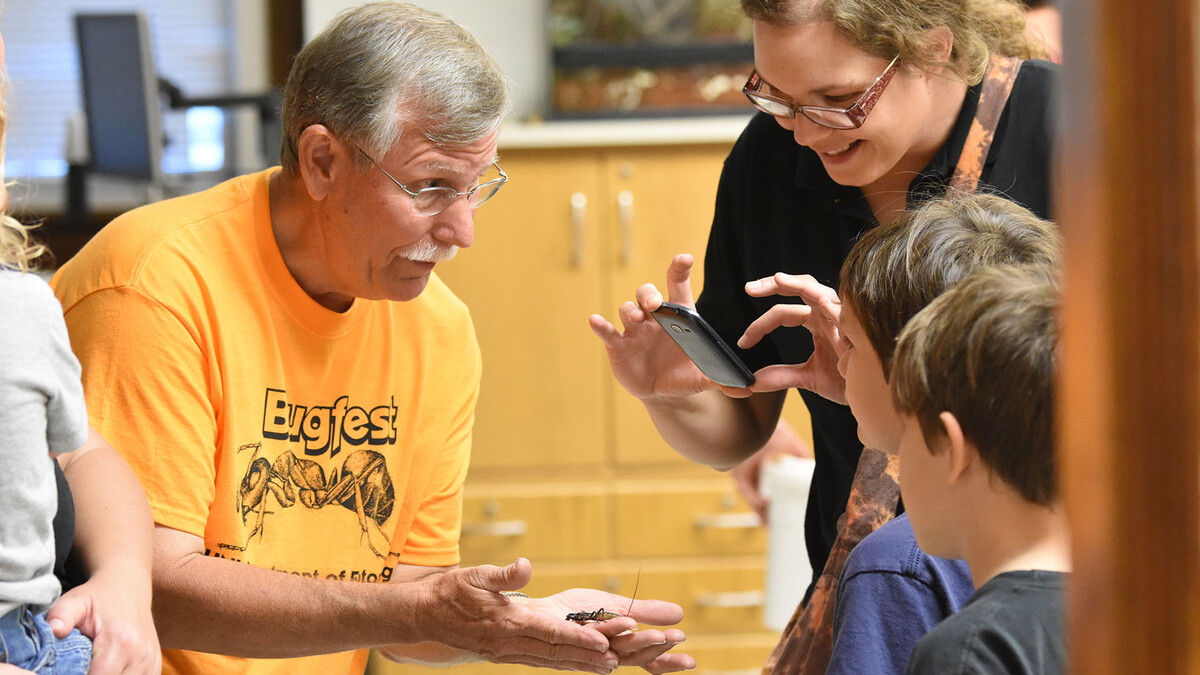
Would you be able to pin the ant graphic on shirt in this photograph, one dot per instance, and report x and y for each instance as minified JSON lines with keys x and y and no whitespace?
{"x":362,"y":484}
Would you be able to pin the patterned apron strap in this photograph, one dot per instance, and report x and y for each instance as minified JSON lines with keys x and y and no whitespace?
{"x":997,"y":85}
{"x":807,"y":643}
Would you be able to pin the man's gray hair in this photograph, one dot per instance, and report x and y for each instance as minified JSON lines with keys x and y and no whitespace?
{"x":387,"y":68}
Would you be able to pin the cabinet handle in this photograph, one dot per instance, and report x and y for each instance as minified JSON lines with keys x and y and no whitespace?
{"x":578,"y":231}
{"x":625,"y":217}
{"x":496,"y":528}
{"x":734,"y":599}
{"x":742,"y":520}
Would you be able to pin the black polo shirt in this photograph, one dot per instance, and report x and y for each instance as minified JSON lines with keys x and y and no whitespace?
{"x":778,"y":210}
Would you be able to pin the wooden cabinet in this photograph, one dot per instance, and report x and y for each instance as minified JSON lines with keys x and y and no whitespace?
{"x":531,"y":278}
{"x":682,"y":517}
{"x":541,"y":521}
{"x":573,"y":233}
{"x":567,"y":468}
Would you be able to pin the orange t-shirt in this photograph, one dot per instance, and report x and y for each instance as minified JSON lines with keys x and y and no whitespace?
{"x":288,"y":436}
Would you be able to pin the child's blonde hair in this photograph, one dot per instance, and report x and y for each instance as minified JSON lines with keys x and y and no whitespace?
{"x":18,"y":250}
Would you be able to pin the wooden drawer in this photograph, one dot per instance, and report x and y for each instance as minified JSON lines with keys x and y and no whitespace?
{"x":718,"y":597}
{"x":684,"y":518}
{"x":729,"y":654}
{"x":567,"y":521}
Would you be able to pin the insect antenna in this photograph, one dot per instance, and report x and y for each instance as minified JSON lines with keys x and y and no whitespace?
{"x":635,"y":589}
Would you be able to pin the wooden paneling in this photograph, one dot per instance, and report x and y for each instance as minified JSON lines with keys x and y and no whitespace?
{"x":286,"y":19}
{"x":1130,"y":387}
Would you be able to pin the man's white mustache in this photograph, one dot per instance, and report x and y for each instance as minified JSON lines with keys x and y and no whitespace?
{"x":428,"y":251}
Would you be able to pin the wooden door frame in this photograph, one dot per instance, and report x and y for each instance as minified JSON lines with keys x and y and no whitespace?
{"x":285,"y":28}
{"x":1129,"y":395}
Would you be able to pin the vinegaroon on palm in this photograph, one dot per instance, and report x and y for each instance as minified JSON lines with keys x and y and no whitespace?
{"x":600,"y":614}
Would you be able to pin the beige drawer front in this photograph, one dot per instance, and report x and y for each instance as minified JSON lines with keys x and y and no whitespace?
{"x":684,"y":518}
{"x":717,"y":599}
{"x":729,"y":655}
{"x":568,"y":523}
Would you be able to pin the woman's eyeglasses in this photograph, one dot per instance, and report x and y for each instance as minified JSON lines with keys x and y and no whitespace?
{"x":833,"y":118}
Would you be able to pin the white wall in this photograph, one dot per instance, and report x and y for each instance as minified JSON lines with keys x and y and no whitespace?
{"x":512,"y":30}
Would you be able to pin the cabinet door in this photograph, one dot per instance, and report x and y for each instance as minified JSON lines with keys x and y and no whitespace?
{"x":662,"y":200}
{"x":530,"y":280}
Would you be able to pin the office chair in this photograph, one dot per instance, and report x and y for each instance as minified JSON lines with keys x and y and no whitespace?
{"x":123,"y":101}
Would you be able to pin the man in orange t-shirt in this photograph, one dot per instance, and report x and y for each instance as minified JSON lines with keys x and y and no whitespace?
{"x":295,"y":388}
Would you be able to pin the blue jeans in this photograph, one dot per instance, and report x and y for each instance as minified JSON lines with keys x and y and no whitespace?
{"x":26,"y":641}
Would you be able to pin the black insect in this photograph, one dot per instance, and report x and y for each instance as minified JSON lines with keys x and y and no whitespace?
{"x":600,"y":614}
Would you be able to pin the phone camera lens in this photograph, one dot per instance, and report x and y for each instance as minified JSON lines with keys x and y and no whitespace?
{"x":675,"y":327}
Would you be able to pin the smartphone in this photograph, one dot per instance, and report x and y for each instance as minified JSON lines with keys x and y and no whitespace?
{"x":703,"y":346}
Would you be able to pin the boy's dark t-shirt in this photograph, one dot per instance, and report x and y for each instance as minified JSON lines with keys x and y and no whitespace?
{"x":1012,"y":625}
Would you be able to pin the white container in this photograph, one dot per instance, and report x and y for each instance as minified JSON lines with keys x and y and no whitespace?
{"x":785,"y":483}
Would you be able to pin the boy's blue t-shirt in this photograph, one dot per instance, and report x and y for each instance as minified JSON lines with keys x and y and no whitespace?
{"x":892,"y":594}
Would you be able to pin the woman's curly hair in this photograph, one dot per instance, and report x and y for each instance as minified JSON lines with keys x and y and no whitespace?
{"x":885,"y":28}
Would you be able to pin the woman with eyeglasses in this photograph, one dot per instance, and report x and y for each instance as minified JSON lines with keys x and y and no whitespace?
{"x":867,"y":107}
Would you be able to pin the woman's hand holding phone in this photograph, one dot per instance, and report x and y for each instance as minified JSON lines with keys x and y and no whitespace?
{"x":705,"y":422}
{"x":703,"y":345}
{"x":644,"y":360}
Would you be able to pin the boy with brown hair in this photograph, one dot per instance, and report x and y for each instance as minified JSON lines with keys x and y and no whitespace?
{"x":973,"y":380}
{"x":890,"y":593}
